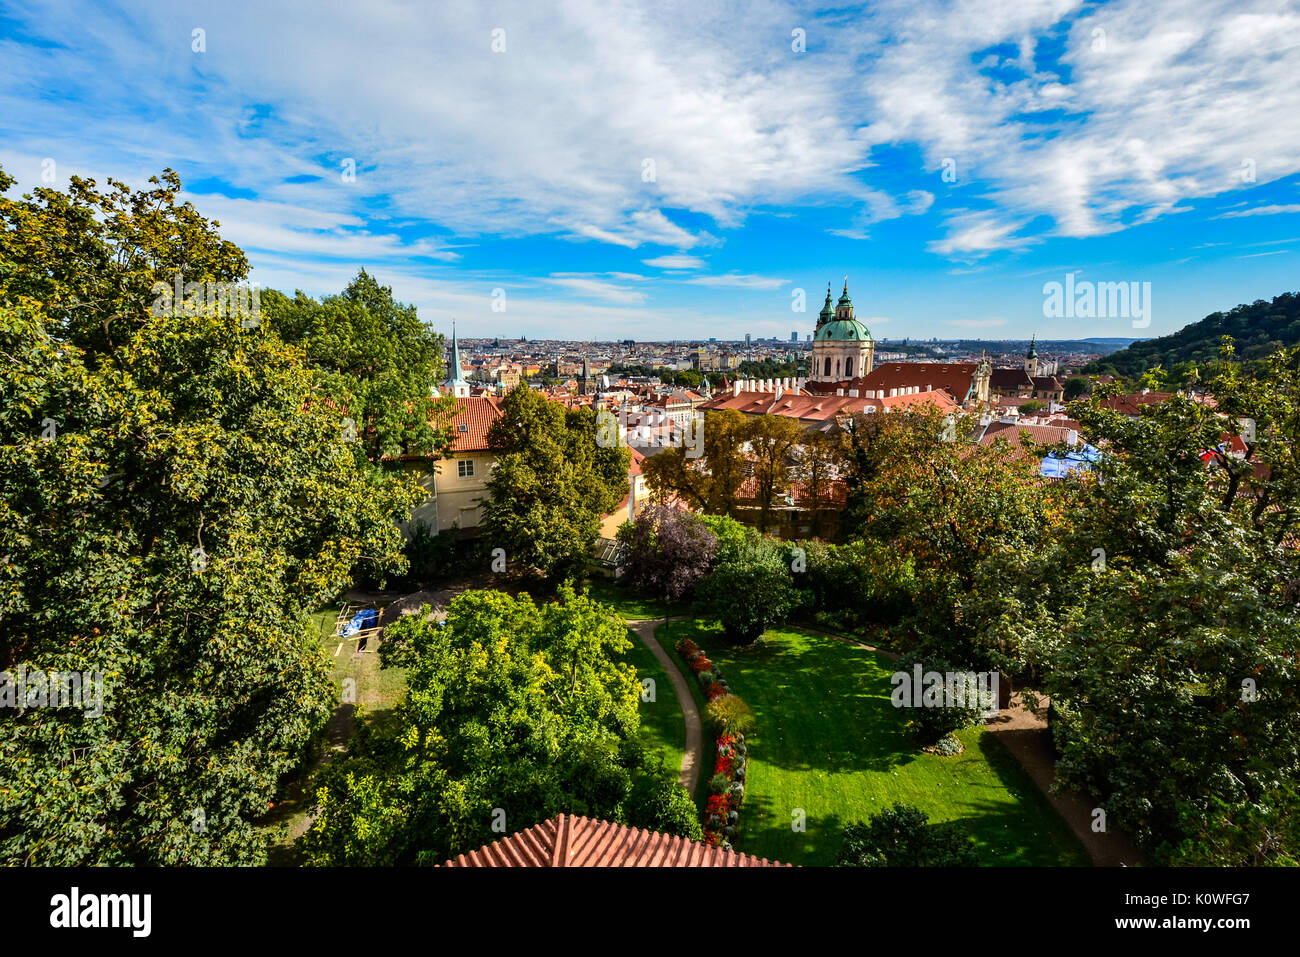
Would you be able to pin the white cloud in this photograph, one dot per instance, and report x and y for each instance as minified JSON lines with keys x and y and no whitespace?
{"x":599,"y":289}
{"x":739,"y":281}
{"x":1261,"y":211}
{"x":675,"y":261}
{"x":552,"y":137}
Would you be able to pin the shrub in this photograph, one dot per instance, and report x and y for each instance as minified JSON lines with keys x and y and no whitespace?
{"x":930,"y":724}
{"x":429,"y":553}
{"x":750,"y":594}
{"x":901,"y":837}
{"x":718,"y":784}
{"x":730,"y":715}
{"x":658,"y":803}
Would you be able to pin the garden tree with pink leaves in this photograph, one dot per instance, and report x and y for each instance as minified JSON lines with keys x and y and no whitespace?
{"x":667,"y":551}
{"x":173,"y":504}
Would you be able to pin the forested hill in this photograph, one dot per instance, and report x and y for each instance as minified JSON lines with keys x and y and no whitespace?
{"x":1259,"y":329}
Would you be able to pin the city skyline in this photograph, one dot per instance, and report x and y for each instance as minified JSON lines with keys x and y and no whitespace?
{"x":951,"y":160}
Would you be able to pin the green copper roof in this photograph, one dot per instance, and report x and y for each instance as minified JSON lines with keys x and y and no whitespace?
{"x":844,"y":330}
{"x":844,"y":297}
{"x":454,"y":375}
{"x":827,"y":309}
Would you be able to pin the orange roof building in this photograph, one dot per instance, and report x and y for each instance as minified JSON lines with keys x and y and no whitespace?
{"x":572,"y":841}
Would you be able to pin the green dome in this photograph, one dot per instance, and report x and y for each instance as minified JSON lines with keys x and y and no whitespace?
{"x":843,"y":330}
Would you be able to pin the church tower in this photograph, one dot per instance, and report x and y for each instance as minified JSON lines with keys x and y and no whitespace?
{"x":1031,"y":358}
{"x":842,"y":346}
{"x":455,"y":382}
{"x":827,"y":313}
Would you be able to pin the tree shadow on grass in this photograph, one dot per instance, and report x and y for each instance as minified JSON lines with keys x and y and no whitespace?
{"x":820,"y":705}
{"x":771,"y":832}
{"x":1015,"y":779}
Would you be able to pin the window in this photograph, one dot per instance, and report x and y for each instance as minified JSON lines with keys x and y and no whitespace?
{"x":827,"y":373}
{"x":465,"y":468}
{"x":462,"y":427}
{"x":848,"y":367}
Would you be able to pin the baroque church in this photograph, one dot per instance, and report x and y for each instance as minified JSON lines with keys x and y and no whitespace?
{"x":842,"y":346}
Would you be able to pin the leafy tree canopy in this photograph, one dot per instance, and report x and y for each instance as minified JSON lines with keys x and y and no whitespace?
{"x":172,"y":506}
{"x":516,"y":712}
{"x":551,"y":485}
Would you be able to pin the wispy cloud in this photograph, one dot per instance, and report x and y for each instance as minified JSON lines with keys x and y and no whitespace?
{"x":1261,"y":211}
{"x":739,"y":281}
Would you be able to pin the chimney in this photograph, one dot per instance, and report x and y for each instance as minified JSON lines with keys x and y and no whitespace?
{"x":735,"y":389}
{"x":853,"y":393}
{"x":1072,"y":437}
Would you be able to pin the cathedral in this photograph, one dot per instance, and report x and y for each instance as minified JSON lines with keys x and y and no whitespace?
{"x":842,"y":346}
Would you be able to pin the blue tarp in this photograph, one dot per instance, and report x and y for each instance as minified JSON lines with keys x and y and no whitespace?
{"x":1059,"y":466}
{"x":365,"y":618}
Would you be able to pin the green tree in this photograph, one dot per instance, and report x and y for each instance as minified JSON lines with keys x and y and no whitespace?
{"x":748,"y":593}
{"x":1076,"y":387}
{"x":374,"y":359}
{"x":900,"y":836}
{"x":512,"y":706}
{"x":712,"y":481}
{"x":551,"y":485}
{"x":772,"y":440}
{"x":1167,"y":637}
{"x":172,"y":506}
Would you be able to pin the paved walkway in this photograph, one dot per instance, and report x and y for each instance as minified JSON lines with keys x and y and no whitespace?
{"x":693,"y":759}
{"x":1027,"y":736}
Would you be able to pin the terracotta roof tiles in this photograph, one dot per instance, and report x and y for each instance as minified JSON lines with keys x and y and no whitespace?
{"x":573,"y":841}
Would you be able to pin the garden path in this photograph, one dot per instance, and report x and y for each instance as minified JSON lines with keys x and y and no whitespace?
{"x":693,"y":759}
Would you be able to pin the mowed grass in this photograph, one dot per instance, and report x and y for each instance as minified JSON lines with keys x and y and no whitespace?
{"x":378,"y":691}
{"x":631,"y":604}
{"x":829,"y":743}
{"x":663,"y":726}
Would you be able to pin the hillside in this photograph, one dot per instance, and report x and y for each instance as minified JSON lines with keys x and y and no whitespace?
{"x":1259,"y":328}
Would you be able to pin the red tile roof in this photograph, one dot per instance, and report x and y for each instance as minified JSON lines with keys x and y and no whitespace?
{"x":476,"y":414}
{"x":572,"y":841}
{"x":955,"y":377}
{"x":822,"y":408}
{"x":1013,"y":432}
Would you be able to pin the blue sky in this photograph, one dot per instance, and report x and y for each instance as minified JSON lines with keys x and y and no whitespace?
{"x":680,"y":170}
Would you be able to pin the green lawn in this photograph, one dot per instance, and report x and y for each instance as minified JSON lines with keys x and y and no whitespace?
{"x":663,"y":727}
{"x":629,"y":603}
{"x":828,"y":741}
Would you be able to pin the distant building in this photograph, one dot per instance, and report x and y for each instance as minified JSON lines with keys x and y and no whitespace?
{"x":842,"y":346}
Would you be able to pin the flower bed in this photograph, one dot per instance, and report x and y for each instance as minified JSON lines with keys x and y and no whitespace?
{"x":722,"y":812}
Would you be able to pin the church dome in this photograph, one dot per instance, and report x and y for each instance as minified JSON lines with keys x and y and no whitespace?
{"x":843,"y":330}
